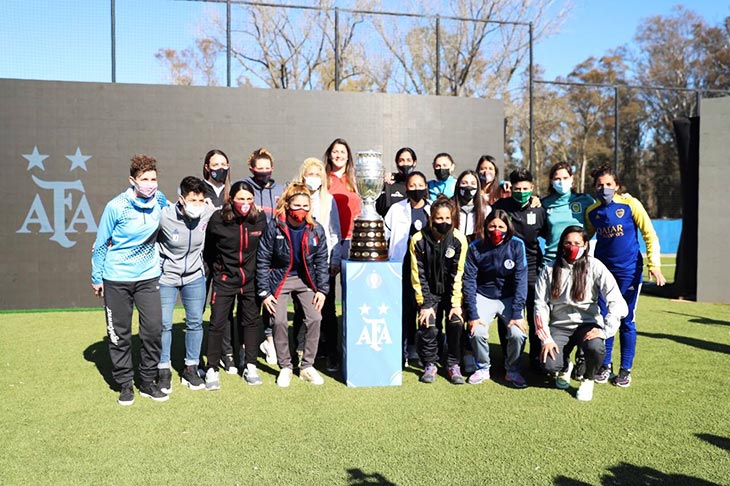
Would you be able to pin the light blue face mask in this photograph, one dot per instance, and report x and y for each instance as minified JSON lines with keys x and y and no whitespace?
{"x":562,"y":186}
{"x":605,"y":195}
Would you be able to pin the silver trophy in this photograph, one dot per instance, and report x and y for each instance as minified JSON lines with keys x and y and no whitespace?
{"x":368,"y":235}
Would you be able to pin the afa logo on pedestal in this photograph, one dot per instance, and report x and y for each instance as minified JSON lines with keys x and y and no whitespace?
{"x":374,"y":332}
{"x":64,"y":196}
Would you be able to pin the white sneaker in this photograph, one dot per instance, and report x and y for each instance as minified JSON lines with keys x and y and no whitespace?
{"x":562,"y":381}
{"x":251,"y":375}
{"x":585,"y":391}
{"x":212,"y":380}
{"x":311,"y":375}
{"x":267,"y":347}
{"x":284,"y":378}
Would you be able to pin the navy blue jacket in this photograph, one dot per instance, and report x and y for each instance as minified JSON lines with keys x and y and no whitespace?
{"x":274,"y":259}
{"x":495,"y":272}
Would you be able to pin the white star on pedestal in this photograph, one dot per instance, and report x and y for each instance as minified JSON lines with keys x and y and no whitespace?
{"x":364,"y":309}
{"x":383,"y":309}
{"x":78,"y":160}
{"x":35,"y":159}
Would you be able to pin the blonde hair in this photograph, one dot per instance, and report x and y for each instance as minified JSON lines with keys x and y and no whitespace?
{"x":325,"y":200}
{"x":292,"y":190}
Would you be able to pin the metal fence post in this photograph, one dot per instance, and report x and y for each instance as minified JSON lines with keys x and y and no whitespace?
{"x":228,"y":43}
{"x":438,"y":55}
{"x":698,"y":99}
{"x":615,"y":128}
{"x":337,"y":49}
{"x":114,"y":41}
{"x":532,"y":115}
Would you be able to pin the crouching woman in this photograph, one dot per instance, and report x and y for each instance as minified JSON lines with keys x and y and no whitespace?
{"x":292,"y":262}
{"x":567,"y":312}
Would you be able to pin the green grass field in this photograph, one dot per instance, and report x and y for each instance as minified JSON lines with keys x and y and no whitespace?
{"x":61,"y":424}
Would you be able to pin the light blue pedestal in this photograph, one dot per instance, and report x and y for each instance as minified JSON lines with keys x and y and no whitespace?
{"x":372,"y":350}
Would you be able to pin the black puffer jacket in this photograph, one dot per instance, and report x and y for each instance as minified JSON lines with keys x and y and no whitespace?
{"x":232,"y":247}
{"x":274,"y":259}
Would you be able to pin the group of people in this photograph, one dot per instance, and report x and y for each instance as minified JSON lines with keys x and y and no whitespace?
{"x":470,"y":252}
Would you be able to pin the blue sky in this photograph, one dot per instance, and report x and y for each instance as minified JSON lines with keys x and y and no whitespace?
{"x":70,"y":39}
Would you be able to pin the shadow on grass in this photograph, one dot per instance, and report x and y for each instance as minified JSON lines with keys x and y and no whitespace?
{"x":625,"y":473}
{"x":716,"y":440}
{"x":695,"y":343}
{"x":98,"y":353}
{"x":699,"y":319}
{"x":360,"y":478}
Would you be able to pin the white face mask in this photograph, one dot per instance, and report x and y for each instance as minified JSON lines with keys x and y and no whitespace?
{"x":193,"y":211}
{"x":313,"y":183}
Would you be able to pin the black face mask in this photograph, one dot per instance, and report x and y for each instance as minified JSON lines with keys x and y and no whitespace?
{"x":442,"y":174}
{"x":442,"y":228}
{"x":466,"y":194}
{"x":219,"y":175}
{"x":417,"y":194}
{"x":405,"y":169}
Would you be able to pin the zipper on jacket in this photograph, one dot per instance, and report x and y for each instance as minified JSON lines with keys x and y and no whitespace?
{"x":291,"y":261}
{"x":305,"y":250}
{"x":240,"y":254}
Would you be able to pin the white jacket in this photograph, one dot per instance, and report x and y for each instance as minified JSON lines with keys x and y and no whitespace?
{"x":331,"y":227}
{"x":565,"y":313}
{"x":397,"y":227}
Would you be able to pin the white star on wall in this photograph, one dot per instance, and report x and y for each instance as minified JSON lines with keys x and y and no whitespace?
{"x":364,"y":309}
{"x":78,"y":160}
{"x":35,"y":159}
{"x":383,"y":309}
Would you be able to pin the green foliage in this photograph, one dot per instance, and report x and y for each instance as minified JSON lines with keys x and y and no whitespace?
{"x":61,"y":423}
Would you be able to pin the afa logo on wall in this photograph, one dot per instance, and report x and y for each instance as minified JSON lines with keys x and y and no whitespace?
{"x":62,"y":198}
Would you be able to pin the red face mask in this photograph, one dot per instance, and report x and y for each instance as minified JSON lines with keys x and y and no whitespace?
{"x":496,"y":236}
{"x":241,"y":208}
{"x":572,"y":253}
{"x":297,"y":215}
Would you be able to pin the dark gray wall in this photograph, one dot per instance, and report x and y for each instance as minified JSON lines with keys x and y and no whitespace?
{"x":52,"y":206}
{"x":713,"y":264}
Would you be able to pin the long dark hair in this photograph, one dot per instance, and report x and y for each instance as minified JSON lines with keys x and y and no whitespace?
{"x":206,"y":169}
{"x":492,"y":190}
{"x":477,"y":201}
{"x":230,"y":214}
{"x":349,"y":168}
{"x":580,"y":267}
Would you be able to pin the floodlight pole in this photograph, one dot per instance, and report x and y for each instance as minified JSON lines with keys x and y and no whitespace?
{"x":337,"y":49}
{"x":228,"y":43}
{"x":114,"y":41}
{"x":438,"y":55}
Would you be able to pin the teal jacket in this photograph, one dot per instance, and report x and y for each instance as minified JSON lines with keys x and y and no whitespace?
{"x":563,"y":211}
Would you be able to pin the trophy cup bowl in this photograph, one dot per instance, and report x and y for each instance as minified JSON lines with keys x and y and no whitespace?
{"x":368,"y":234}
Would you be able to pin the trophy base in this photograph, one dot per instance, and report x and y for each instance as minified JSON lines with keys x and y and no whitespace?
{"x":368,"y":241}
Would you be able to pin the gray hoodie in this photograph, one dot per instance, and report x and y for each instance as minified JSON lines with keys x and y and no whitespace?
{"x":180,"y":243}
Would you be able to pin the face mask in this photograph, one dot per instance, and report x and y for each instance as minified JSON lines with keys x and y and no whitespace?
{"x":466,"y":194}
{"x":241,"y":208}
{"x":261,"y":176}
{"x":193,"y":211}
{"x":562,"y":187}
{"x":496,"y":236}
{"x":405,"y":169}
{"x":605,"y":195}
{"x":313,"y":183}
{"x":572,"y":253}
{"x":522,"y":197}
{"x":219,"y":175}
{"x":442,"y":174}
{"x":298,"y":215}
{"x":442,"y":228}
{"x":146,"y":189}
{"x":416,"y":194}
{"x":486,"y":177}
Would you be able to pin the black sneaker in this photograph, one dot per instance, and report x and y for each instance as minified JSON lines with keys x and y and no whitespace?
{"x":228,"y":364}
{"x":623,"y":379}
{"x":126,"y":396}
{"x":151,"y":390}
{"x":164,"y":380}
{"x":191,"y":378}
